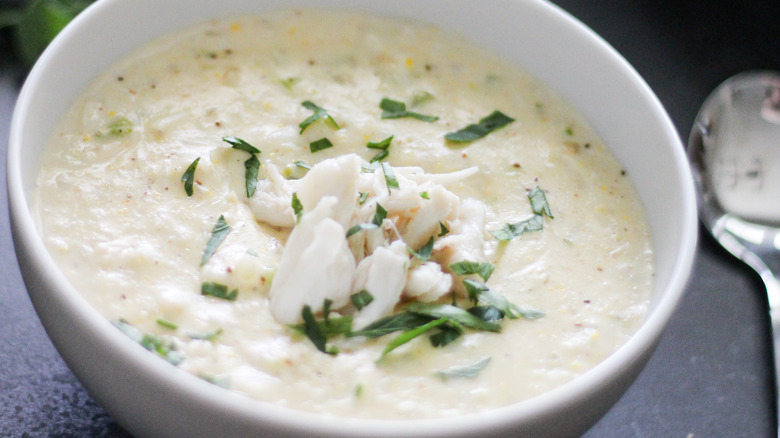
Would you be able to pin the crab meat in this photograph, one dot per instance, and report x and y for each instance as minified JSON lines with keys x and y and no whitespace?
{"x":271,"y":203}
{"x":427,"y":282}
{"x":383,"y":275}
{"x":465,"y":241}
{"x":333,"y":177}
{"x":316,"y":264}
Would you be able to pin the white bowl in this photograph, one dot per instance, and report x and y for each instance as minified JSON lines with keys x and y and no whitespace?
{"x":151,"y":398}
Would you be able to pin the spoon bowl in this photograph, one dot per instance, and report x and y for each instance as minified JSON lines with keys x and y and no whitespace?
{"x":734,"y":150}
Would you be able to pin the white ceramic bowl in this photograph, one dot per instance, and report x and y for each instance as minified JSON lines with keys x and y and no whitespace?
{"x":151,"y":398}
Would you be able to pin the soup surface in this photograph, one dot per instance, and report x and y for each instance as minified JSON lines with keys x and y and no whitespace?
{"x":244,"y":197}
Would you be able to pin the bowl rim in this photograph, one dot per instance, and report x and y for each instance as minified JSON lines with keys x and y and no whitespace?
{"x":27,"y":239}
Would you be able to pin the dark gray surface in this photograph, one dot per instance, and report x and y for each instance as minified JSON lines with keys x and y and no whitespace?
{"x":710,"y":376}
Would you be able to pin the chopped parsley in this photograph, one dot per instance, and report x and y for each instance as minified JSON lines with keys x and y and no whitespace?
{"x":318,"y":145}
{"x":393,"y":109}
{"x":208,"y":336}
{"x":167,"y":324}
{"x":539,"y":206}
{"x":297,"y":207}
{"x":424,"y":253}
{"x":407,"y":336}
{"x":153,"y":343}
{"x":390,"y":180}
{"x":251,"y":165}
{"x":379,"y":215}
{"x":218,"y":234}
{"x":319,"y":113}
{"x":189,"y":177}
{"x":362,"y":196}
{"x":361,"y":299}
{"x":303,"y":165}
{"x":475,"y":131}
{"x":383,"y":147}
{"x":471,"y":370}
{"x":217,"y":290}
{"x":483,"y":269}
{"x":444,"y":230}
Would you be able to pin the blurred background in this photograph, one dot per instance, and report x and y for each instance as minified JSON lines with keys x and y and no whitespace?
{"x":711,"y":375}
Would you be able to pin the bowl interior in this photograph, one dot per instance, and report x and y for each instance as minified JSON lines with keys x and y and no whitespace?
{"x":544,"y":40}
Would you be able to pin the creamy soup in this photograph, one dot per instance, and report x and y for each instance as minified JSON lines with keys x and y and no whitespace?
{"x":248,"y":197}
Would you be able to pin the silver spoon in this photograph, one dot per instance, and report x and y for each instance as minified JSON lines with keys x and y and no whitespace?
{"x":734,"y":150}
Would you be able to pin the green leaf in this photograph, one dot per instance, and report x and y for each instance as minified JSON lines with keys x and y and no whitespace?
{"x":407,"y":336}
{"x":119,"y":126}
{"x":318,"y":145}
{"x":510,"y":231}
{"x":390,"y":324}
{"x":539,"y":203}
{"x":383,"y":145}
{"x":379,"y":215}
{"x":444,"y":230}
{"x":467,"y":371}
{"x":445,"y":336}
{"x":486,"y":125}
{"x":360,"y":227}
{"x":390,"y":180}
{"x":362,"y":197}
{"x":208,"y":336}
{"x":380,"y":156}
{"x":424,"y":253}
{"x":481,"y":292}
{"x":483,"y":269}
{"x":237,"y":143}
{"x":361,"y":299}
{"x":150,"y":342}
{"x":461,"y":316}
{"x":217,"y":290}
{"x":218,"y":234}
{"x":319,"y":113}
{"x":393,"y":109}
{"x":425,"y":195}
{"x":313,"y":331}
{"x":167,"y":324}
{"x":487,"y":313}
{"x":297,"y":207}
{"x":189,"y":177}
{"x":303,"y":165}
{"x":252,"y":167}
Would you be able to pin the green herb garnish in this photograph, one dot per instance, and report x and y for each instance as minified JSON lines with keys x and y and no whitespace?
{"x":297,"y":207}
{"x":390,"y":324}
{"x":481,"y":292}
{"x":390,"y":180}
{"x":465,"y":371}
{"x":119,"y":126}
{"x":478,"y":130}
{"x":457,"y":314}
{"x":407,"y":336}
{"x":303,"y":165}
{"x":167,"y":324}
{"x":217,"y":290}
{"x":444,"y":230}
{"x":150,"y":342}
{"x":208,"y":336}
{"x":510,"y":231}
{"x":379,"y":215}
{"x":189,"y":177}
{"x":382,"y":146}
{"x":424,"y":195}
{"x":318,"y":145}
{"x":237,"y":143}
{"x":539,"y":203}
{"x":393,"y":109}
{"x":483,"y":269}
{"x":424,"y":253}
{"x":319,"y":113}
{"x":251,"y":165}
{"x":362,"y":196}
{"x":361,"y":299}
{"x":218,"y":234}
